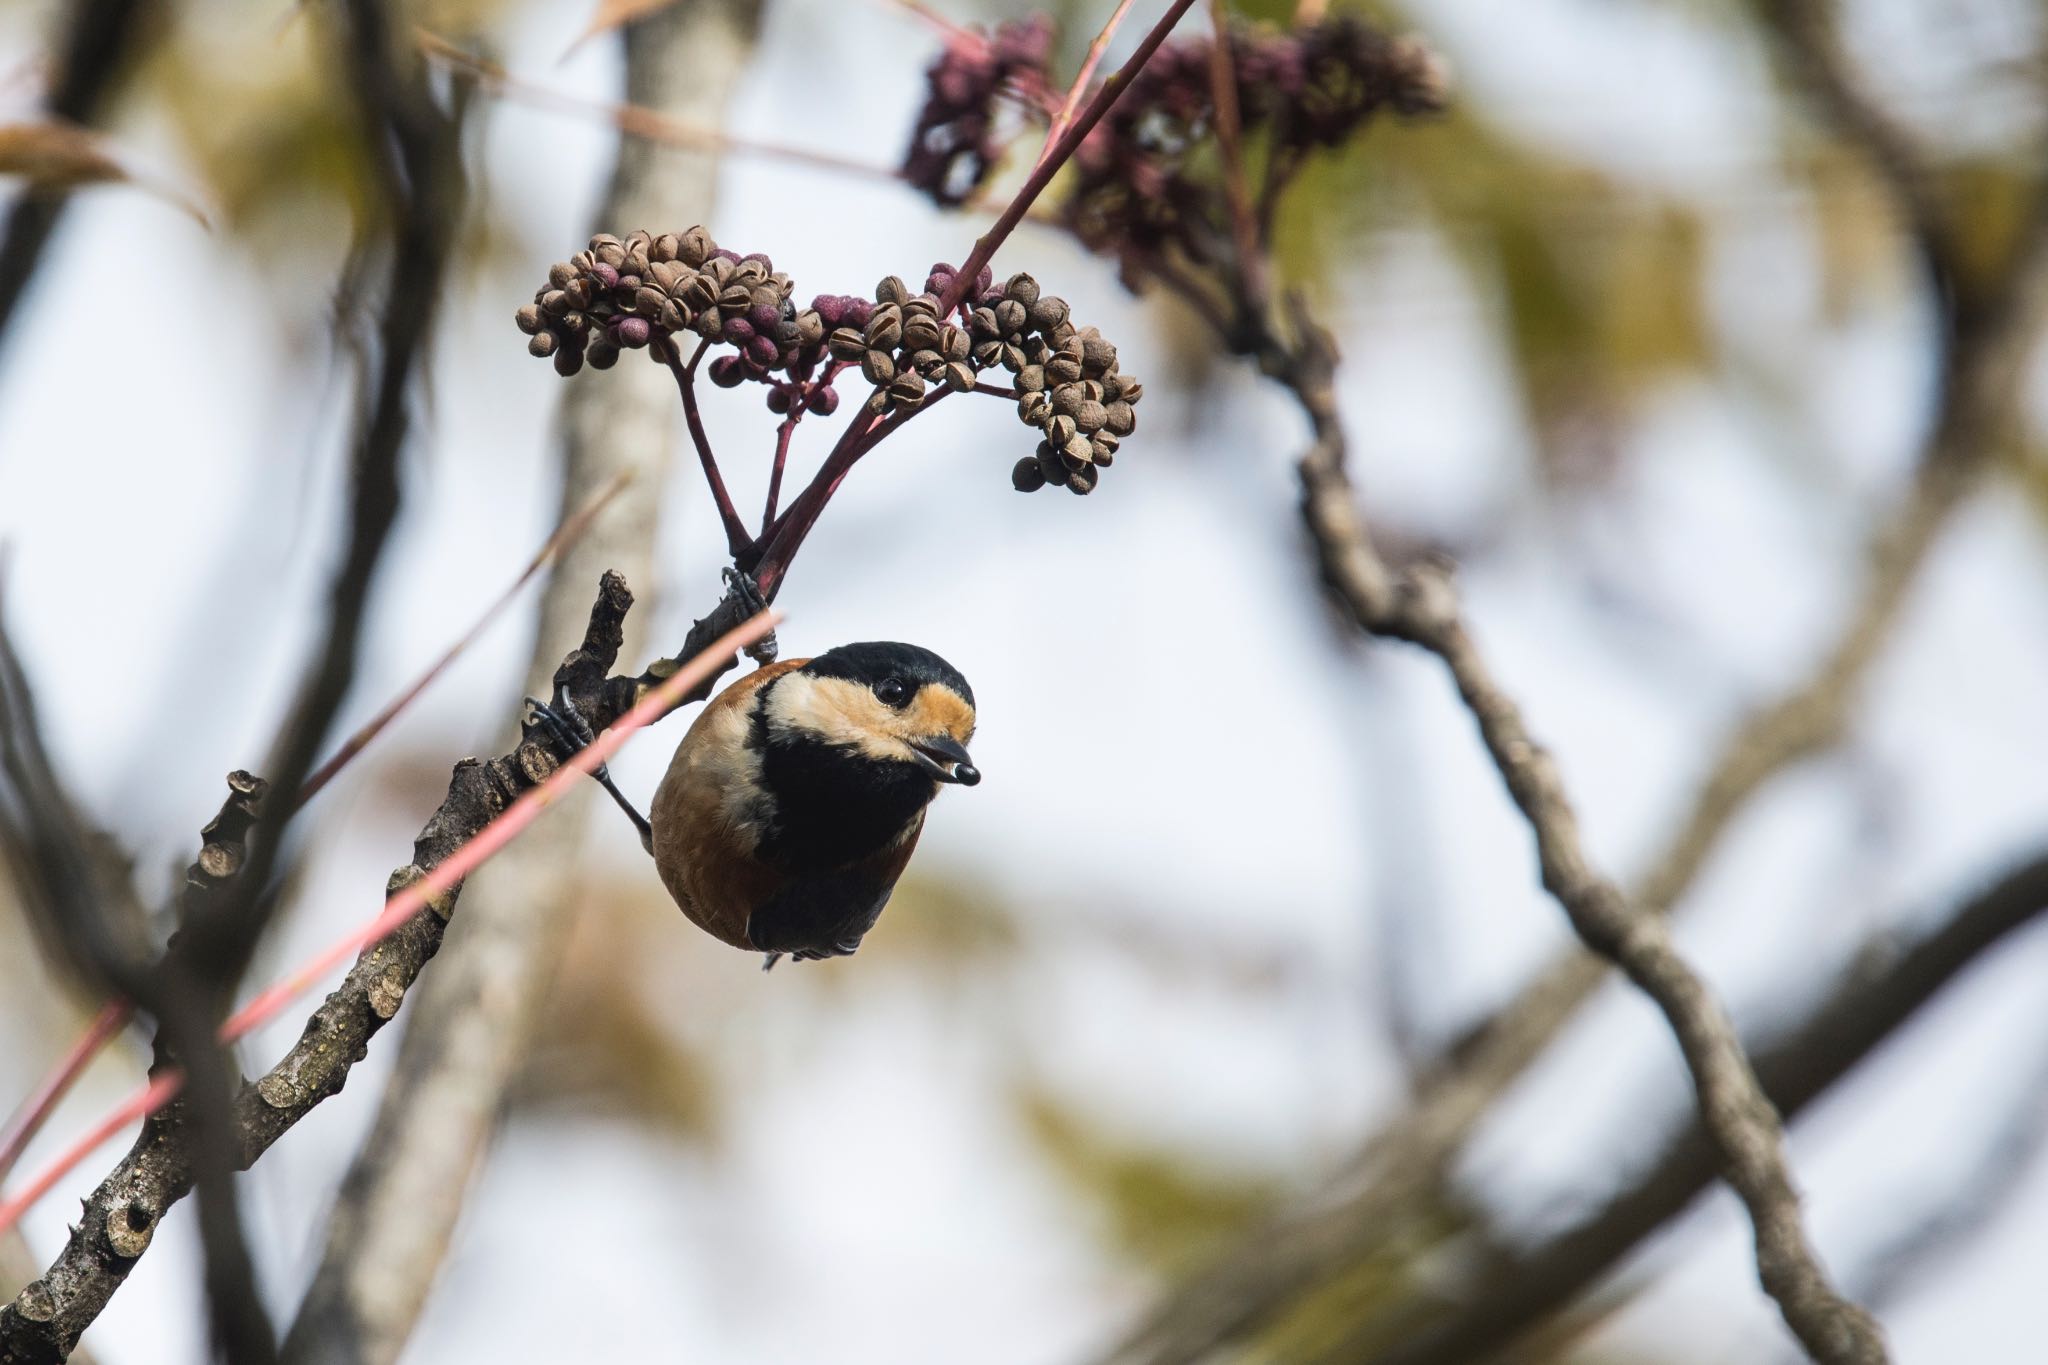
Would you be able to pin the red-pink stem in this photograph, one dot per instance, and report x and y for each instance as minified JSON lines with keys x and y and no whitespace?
{"x":997,"y":391}
{"x":409,"y":901}
{"x":782,"y":435}
{"x":736,"y":538}
{"x":1042,"y":174}
{"x":29,"y":1118}
{"x":1080,"y":86}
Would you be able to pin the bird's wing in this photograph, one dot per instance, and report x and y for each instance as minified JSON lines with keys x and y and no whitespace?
{"x":703,"y":841}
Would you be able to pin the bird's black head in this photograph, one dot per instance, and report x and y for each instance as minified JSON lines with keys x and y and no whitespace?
{"x":888,"y":702}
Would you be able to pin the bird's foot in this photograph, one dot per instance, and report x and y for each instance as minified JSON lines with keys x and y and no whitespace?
{"x":565,"y":725}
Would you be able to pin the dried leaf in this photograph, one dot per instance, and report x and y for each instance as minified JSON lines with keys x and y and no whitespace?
{"x":61,"y":156}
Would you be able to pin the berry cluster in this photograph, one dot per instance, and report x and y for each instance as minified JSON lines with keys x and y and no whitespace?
{"x":1067,"y":384}
{"x":642,"y":291}
{"x":1142,"y":179}
{"x":1140,"y":183}
{"x":956,"y":143}
{"x":632,"y":294}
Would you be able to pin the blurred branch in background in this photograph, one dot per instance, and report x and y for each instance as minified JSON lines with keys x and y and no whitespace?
{"x":1469,"y":1315}
{"x":413,"y":148}
{"x":478,"y":1013}
{"x":1987,"y":320}
{"x":99,"y":42}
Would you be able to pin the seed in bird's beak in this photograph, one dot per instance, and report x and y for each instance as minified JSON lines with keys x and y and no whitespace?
{"x":944,"y":758}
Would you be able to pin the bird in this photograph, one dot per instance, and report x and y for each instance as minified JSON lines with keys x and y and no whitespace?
{"x":797,"y":796}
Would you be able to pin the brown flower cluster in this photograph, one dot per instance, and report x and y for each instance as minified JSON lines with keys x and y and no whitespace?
{"x":642,"y":291}
{"x":1143,"y":180}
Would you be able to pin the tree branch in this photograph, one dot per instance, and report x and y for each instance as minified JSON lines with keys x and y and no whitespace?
{"x":120,"y":1218}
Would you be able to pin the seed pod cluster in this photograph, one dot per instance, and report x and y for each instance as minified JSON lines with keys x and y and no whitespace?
{"x":643,"y":291}
{"x":622,"y":294}
{"x":902,"y":344}
{"x":955,"y":142}
{"x":1067,"y":382}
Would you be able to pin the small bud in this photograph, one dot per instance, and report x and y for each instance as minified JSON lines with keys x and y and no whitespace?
{"x":541,"y":344}
{"x":878,"y":367}
{"x":528,"y":318}
{"x":1048,"y":313}
{"x":907,"y":389}
{"x":823,"y":401}
{"x":1026,"y":476}
{"x":884,"y":331}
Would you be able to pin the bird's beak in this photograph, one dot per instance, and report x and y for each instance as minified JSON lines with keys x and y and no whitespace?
{"x":944,"y":758}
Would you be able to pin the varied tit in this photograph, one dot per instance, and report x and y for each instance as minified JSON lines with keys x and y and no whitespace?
{"x":796,"y":798}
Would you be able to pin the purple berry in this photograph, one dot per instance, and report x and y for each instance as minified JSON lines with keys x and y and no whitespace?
{"x":778,"y":399}
{"x":604,"y":275}
{"x":830,"y":309}
{"x":760,"y":256}
{"x":764,"y":316}
{"x":823,"y":401}
{"x":739,"y":331}
{"x":631,"y":331}
{"x":763,"y":352}
{"x":726,"y":371}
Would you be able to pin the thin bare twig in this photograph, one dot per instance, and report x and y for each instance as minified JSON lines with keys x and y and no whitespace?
{"x":1065,"y":117}
{"x":637,"y":120}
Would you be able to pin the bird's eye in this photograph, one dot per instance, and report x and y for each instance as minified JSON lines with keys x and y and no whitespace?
{"x":893,"y":692}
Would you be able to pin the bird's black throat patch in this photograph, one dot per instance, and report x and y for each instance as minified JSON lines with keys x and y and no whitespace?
{"x":834,"y":804}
